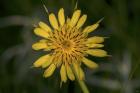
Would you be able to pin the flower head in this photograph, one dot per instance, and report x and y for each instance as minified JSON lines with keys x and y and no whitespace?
{"x":68,"y":45}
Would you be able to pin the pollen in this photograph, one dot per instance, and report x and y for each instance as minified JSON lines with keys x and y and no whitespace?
{"x":68,"y":44}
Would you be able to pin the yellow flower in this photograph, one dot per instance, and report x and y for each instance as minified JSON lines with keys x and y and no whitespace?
{"x":68,"y":45}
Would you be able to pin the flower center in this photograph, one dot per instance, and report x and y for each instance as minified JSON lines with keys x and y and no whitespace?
{"x":67,"y":45}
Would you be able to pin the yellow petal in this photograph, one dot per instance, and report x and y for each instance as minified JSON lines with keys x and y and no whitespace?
{"x":81,"y":74}
{"x":50,"y":70}
{"x":45,"y":26}
{"x":76,"y":68}
{"x":95,"y":45}
{"x":81,"y":21}
{"x":39,"y":45}
{"x":97,"y":52}
{"x":70,"y":73}
{"x":49,"y":48}
{"x":43,"y":41}
{"x":53,"y":21}
{"x":63,"y":74}
{"x":58,"y":59}
{"x":58,"y":62}
{"x":41,"y":32}
{"x":91,"y":28}
{"x":61,"y":17}
{"x":41,"y":61}
{"x":68,"y":21}
{"x":75,"y":18}
{"x":95,"y":39}
{"x":47,"y":62}
{"x":89,"y":63}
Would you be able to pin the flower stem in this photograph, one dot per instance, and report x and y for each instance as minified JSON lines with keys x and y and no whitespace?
{"x":81,"y":82}
{"x":83,"y":86}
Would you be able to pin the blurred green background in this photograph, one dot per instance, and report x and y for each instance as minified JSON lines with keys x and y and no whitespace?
{"x":119,"y":73}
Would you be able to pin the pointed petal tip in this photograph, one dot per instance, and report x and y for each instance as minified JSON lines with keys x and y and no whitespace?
{"x":44,"y":26}
{"x":70,"y":73}
{"x":38,"y":46}
{"x":82,"y":74}
{"x":97,"y":52}
{"x":40,"y":32}
{"x":63,"y":74}
{"x":49,"y":71}
{"x":109,"y":56}
{"x":75,"y":18}
{"x":53,"y":21}
{"x":81,"y":21}
{"x":39,"y":62}
{"x":100,"y":20}
{"x":89,"y":63}
{"x":61,"y":17}
{"x":91,"y":28}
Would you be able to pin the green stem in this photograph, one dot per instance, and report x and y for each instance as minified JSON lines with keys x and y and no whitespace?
{"x":83,"y":86}
{"x":81,"y":82}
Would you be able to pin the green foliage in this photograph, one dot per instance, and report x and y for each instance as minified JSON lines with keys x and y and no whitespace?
{"x":116,"y":74}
